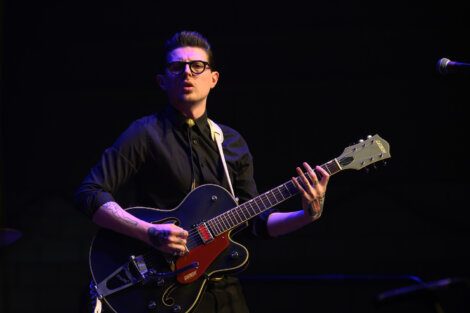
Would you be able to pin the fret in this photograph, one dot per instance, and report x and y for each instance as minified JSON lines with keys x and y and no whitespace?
{"x":242,"y":209}
{"x":272,"y":198}
{"x":260,"y":202}
{"x":250,"y":203}
{"x":220,"y":228}
{"x":333,"y":167}
{"x":221,"y":217}
{"x":285,"y":192}
{"x":235,"y":216}
{"x":210,"y":226}
{"x":279,"y":193}
{"x":228,"y":219}
{"x":254,"y":207}
{"x":263,"y":202}
{"x":310,"y":179}
{"x":255,"y":201}
{"x":291,"y":188}
{"x":266,"y":195}
{"x":217,"y":226}
{"x":239,"y":216}
{"x":327,"y":167}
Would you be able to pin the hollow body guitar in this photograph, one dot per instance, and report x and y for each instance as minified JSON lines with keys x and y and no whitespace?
{"x":130,"y":276}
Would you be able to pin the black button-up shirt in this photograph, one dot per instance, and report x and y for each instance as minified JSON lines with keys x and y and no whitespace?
{"x":162,"y":158}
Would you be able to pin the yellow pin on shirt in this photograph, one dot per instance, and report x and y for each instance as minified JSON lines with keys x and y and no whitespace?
{"x":190,"y":122}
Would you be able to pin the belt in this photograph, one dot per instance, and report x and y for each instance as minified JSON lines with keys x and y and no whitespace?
{"x":216,"y":279}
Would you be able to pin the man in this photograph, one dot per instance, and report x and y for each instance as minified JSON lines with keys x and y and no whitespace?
{"x":170,"y":153}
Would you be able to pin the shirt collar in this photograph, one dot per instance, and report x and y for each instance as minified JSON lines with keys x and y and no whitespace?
{"x":179,"y":120}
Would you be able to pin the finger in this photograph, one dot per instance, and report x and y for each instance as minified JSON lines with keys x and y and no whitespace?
{"x":158,"y":238}
{"x":299,"y":186}
{"x":325,"y":175}
{"x":307,"y":185}
{"x":177,"y":249}
{"x":182,"y":234}
{"x":311,"y":173}
{"x":179,"y":232}
{"x":178,"y":240}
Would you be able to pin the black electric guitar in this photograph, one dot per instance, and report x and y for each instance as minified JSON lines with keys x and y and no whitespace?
{"x":130,"y":276}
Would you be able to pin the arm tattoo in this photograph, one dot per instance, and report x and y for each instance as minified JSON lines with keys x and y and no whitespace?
{"x":158,"y":238}
{"x":114,"y":209}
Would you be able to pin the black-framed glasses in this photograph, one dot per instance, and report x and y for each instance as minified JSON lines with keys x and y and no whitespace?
{"x":196,"y":67}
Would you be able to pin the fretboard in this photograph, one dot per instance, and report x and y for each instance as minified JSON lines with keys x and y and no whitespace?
{"x":246,"y":211}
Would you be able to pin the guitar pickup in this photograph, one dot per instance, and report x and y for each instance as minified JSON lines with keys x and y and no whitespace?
{"x":204,"y":233}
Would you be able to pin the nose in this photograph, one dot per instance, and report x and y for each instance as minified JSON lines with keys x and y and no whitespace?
{"x":187,"y":69}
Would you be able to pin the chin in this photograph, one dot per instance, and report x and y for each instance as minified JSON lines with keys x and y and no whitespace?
{"x":189,"y":99}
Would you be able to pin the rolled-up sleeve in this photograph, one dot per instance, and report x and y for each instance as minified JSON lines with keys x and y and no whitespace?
{"x":116,"y":166}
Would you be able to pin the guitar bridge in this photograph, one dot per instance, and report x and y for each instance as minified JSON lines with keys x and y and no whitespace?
{"x":204,"y":233}
{"x":125,"y":276}
{"x":134,"y":272}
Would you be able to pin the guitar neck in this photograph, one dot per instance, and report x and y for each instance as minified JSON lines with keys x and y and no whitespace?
{"x":248,"y":210}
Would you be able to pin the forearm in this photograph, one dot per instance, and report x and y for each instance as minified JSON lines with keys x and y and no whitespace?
{"x":167,"y":238}
{"x":281,"y":223}
{"x":313,"y":199}
{"x":110,"y":215}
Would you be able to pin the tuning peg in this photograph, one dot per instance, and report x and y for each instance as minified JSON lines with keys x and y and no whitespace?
{"x":361,"y":140}
{"x":369,"y":136}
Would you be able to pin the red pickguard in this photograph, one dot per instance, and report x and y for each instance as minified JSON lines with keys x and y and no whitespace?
{"x":204,"y":255}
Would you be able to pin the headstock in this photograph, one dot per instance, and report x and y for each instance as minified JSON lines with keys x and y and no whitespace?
{"x":364,"y":153}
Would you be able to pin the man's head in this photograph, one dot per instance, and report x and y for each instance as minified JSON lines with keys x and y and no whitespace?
{"x":188,"y":39}
{"x":188,"y":74}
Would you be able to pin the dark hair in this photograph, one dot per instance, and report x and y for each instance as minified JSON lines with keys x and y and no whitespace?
{"x":188,"y":39}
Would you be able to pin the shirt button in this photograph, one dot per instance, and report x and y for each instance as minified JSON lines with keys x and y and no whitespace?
{"x":195,"y":141}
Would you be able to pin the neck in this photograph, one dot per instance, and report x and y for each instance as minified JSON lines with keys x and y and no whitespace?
{"x":191,"y":110}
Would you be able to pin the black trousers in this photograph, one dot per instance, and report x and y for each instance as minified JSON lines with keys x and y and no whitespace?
{"x":223,"y":296}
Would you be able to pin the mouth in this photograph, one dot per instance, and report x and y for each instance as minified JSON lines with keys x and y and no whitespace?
{"x":187,"y":86}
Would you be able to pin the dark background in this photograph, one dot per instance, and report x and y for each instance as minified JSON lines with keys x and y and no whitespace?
{"x":300,"y":81}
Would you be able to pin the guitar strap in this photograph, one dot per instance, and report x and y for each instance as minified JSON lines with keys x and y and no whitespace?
{"x":218,"y":136}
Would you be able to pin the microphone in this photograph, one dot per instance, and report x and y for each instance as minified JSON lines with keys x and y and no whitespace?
{"x":446,"y":66}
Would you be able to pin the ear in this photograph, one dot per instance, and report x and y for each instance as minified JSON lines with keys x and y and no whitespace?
{"x":215,"y":78}
{"x":161,"y":81}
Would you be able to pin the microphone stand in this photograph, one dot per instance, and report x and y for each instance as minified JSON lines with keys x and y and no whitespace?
{"x":427,"y":289}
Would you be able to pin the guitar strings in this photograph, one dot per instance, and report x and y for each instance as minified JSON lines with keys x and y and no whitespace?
{"x":231,"y":214}
{"x":194,"y":237}
{"x":193,"y":234}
